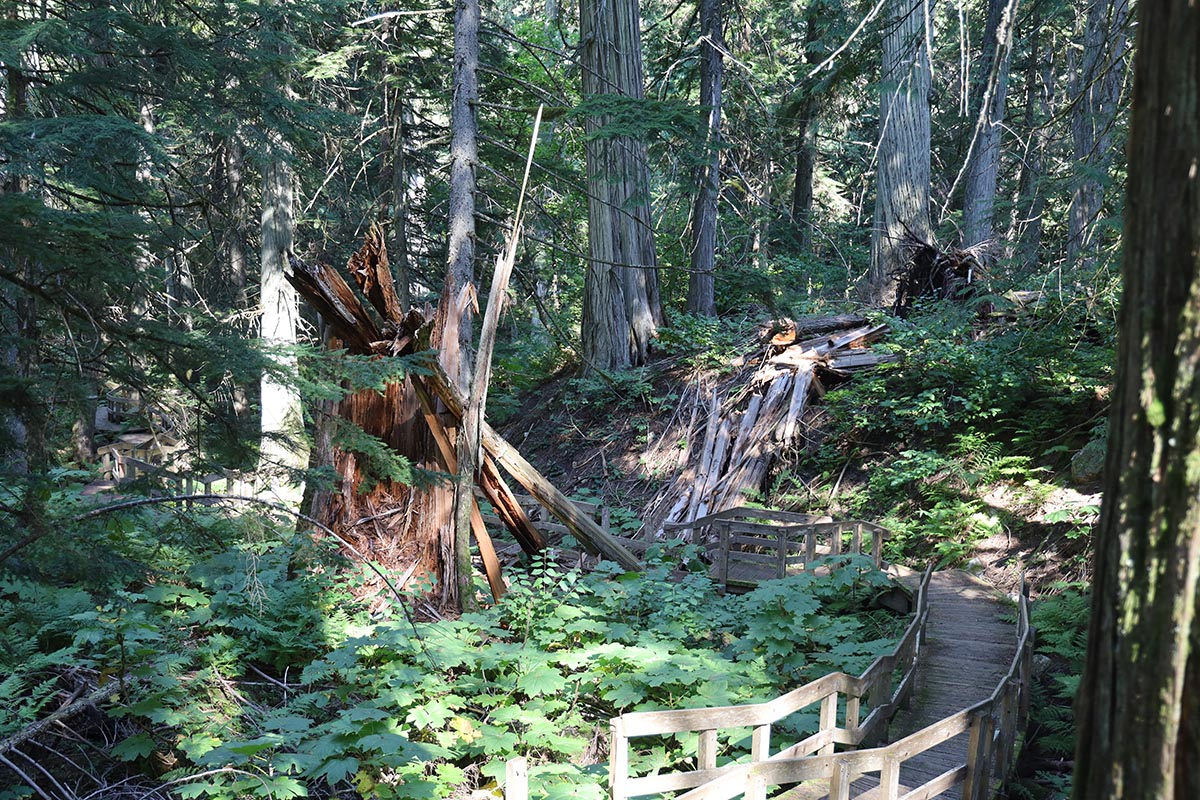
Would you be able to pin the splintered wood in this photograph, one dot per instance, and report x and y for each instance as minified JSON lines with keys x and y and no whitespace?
{"x":744,"y":424}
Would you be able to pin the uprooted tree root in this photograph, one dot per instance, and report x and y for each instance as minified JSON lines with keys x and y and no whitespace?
{"x":931,"y":272}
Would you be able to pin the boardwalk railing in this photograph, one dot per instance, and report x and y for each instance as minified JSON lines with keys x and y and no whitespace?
{"x":992,"y":726}
{"x":125,"y":461}
{"x":882,"y":688}
{"x":780,"y":541}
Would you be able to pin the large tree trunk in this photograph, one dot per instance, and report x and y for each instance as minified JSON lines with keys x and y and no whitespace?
{"x":1025,"y":229}
{"x":902,"y":182}
{"x":464,"y":155}
{"x":17,"y":312}
{"x":979,"y":189}
{"x":460,"y":272}
{"x":235,"y":222}
{"x":621,"y":310}
{"x":1097,"y":93}
{"x":806,"y":148}
{"x":704,"y":215}
{"x":282,"y":443}
{"x":1138,"y":709}
{"x":282,"y":417}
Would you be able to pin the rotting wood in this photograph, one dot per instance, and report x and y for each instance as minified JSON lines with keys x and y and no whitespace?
{"x":594,"y":538}
{"x":755,"y":416}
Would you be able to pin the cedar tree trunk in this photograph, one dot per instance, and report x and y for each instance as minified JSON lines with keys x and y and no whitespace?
{"x":902,"y":182}
{"x":1138,"y":709}
{"x":621,"y":311}
{"x":704,"y":215}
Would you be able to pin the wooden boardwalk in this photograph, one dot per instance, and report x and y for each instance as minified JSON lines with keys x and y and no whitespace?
{"x":960,"y":673}
{"x":969,"y":645}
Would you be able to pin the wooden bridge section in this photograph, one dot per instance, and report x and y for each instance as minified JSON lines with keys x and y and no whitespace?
{"x":962,"y":669}
{"x":757,"y":544}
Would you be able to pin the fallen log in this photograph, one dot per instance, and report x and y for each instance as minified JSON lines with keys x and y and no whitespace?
{"x":593,"y":538}
{"x":786,"y":332}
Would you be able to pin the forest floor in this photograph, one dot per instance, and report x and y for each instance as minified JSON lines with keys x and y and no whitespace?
{"x":609,"y":450}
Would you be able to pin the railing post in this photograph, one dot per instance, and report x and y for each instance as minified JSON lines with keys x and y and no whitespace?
{"x":835,"y":541}
{"x":618,"y":762}
{"x":706,"y":750}
{"x":756,"y":788}
{"x":979,"y":747}
{"x":782,"y":545}
{"x":889,"y":778}
{"x":760,"y":743}
{"x":839,"y":781}
{"x":829,"y":706}
{"x":856,"y":539}
{"x":877,"y":547}
{"x":853,"y":712}
{"x":724,"y":555}
{"x":516,"y":779}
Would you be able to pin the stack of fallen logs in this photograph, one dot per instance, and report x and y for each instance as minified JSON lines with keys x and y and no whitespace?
{"x":749,"y":420}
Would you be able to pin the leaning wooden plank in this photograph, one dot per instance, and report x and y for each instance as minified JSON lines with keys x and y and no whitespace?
{"x":589,"y":533}
{"x":509,"y":508}
{"x":491,"y":482}
{"x":706,"y":451}
{"x":487,"y":552}
{"x":799,"y":399}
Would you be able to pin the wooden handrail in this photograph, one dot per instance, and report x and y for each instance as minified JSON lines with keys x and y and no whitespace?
{"x":992,"y":725}
{"x":876,"y":680}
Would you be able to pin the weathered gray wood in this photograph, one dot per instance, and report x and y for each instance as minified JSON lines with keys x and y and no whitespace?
{"x":516,"y":779}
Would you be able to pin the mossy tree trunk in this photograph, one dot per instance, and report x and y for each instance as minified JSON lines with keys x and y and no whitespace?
{"x":621,"y":311}
{"x":1138,"y":710}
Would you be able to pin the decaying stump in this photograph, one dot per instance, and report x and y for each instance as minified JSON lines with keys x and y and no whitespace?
{"x":400,"y":526}
{"x":411,"y":527}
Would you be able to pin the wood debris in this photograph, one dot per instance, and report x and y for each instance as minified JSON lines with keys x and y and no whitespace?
{"x":424,"y":412}
{"x":742,"y":426}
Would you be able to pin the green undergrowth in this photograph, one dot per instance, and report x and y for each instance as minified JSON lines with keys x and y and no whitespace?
{"x":1061,"y":621}
{"x":243,"y":662}
{"x":972,"y":403}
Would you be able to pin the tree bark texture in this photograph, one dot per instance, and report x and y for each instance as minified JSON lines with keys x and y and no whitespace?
{"x":1097,"y":94}
{"x":460,"y":274}
{"x":979,"y":188}
{"x":282,"y":416}
{"x":806,"y":148}
{"x":700,"y":298}
{"x":1138,"y":710}
{"x":621,"y":310}
{"x":902,"y":182}
{"x":464,"y":155}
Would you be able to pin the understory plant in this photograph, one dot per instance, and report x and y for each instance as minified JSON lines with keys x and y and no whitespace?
{"x":243,"y":662}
